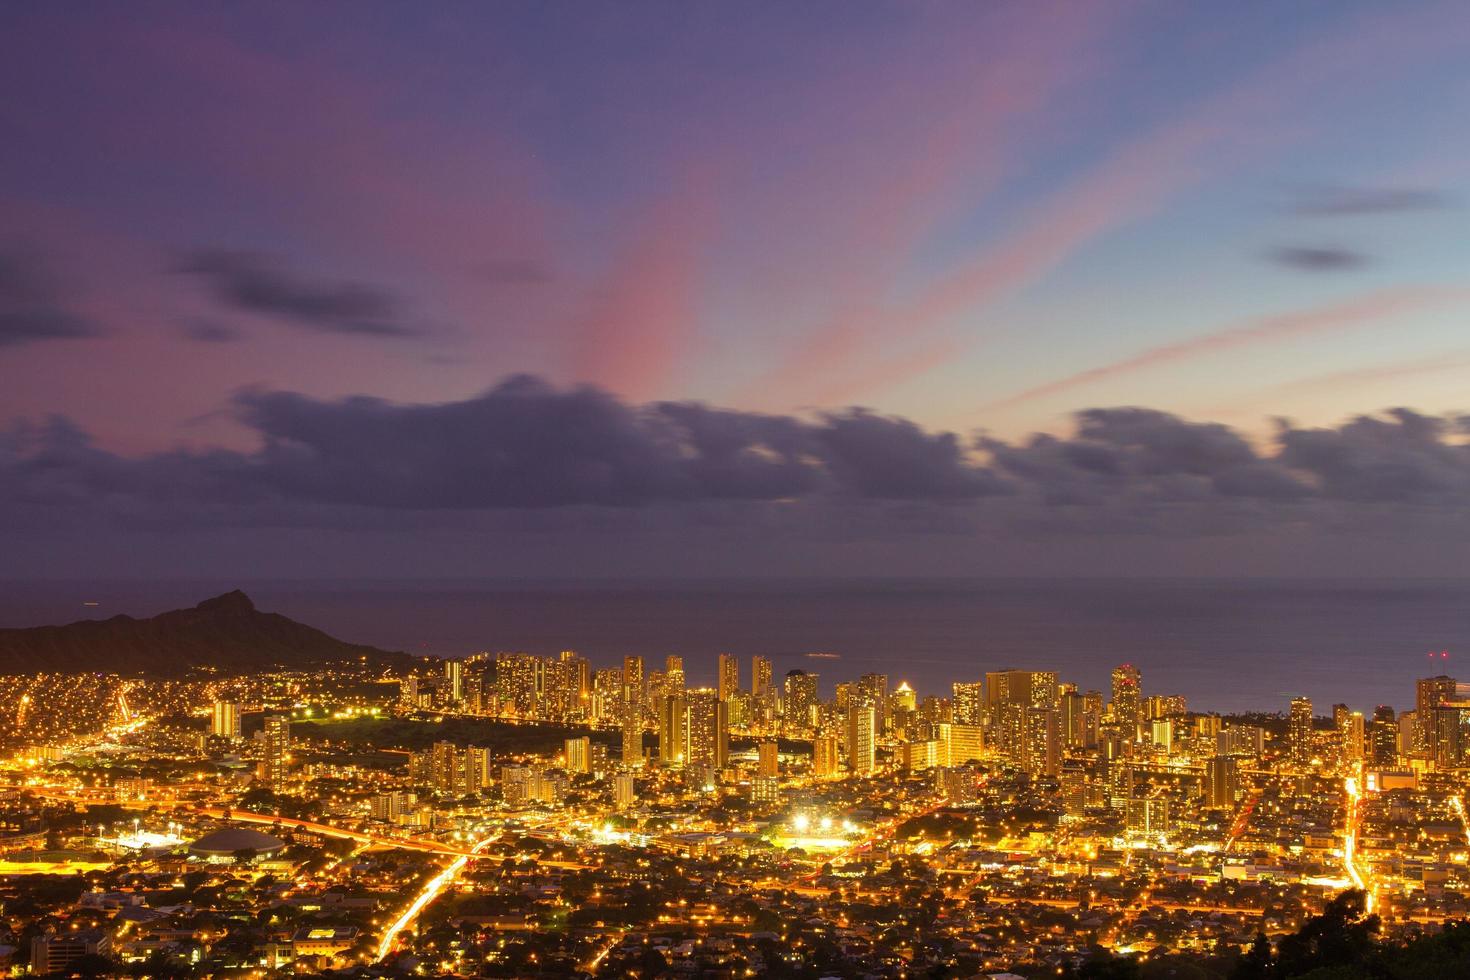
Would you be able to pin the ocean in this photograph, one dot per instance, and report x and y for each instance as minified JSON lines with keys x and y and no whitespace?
{"x":1226,"y":645}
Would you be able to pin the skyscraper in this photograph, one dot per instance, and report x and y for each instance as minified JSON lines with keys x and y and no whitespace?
{"x":1429,"y":694}
{"x":760,"y":676}
{"x":969,"y":703}
{"x":1127,"y":701}
{"x":1008,"y":693}
{"x":1383,"y":737}
{"x":1299,"y":731}
{"x":674,"y":675}
{"x":709,"y":729}
{"x":632,"y":742}
{"x":275,"y":751}
{"x":728,"y":681}
{"x":1222,"y":782}
{"x":1041,"y":744}
{"x":861,"y":742}
{"x":633,"y":680}
{"x":454,"y":682}
{"x":632,"y":711}
{"x":225,"y":721}
{"x":768,"y":759}
{"x":578,"y":753}
{"x":824,"y":756}
{"x":673,"y":731}
{"x":801,"y":697}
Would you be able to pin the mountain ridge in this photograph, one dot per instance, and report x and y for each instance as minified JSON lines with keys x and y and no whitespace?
{"x":226,"y":632}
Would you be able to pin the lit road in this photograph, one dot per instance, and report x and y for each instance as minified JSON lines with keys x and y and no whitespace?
{"x":431,"y":891}
{"x":1350,"y":842}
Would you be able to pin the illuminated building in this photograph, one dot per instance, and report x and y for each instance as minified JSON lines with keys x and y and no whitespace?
{"x":728,"y":677}
{"x":824,"y":756}
{"x":1164,"y":706}
{"x":632,"y":729}
{"x":739,"y":704}
{"x":959,"y":784}
{"x":1073,"y":785}
{"x":1383,"y":737}
{"x":408,"y":693}
{"x":674,"y":675}
{"x":903,"y":704}
{"x":224,"y":722}
{"x":1041,"y":744}
{"x":673,"y":731}
{"x":275,"y":751}
{"x":1350,"y":732}
{"x":578,"y":753}
{"x":768,"y":759}
{"x":631,"y":711}
{"x":607,"y":695}
{"x":390,"y":807}
{"x":1248,"y":740}
{"x":801,"y":697}
{"x":872,"y":689}
{"x":765,"y":789}
{"x":516,"y":681}
{"x":861,"y":738}
{"x":918,"y":755}
{"x":1222,"y":781}
{"x":966,"y":744}
{"x":1008,"y":693}
{"x":760,"y":676}
{"x":452,"y":770}
{"x":454,"y":682}
{"x":1299,"y":730}
{"x":969,"y":703}
{"x":709,"y":729}
{"x":1449,"y":741}
{"x":1429,"y":694}
{"x":633,"y":681}
{"x":1147,"y":817}
{"x":1079,"y":725}
{"x":1162,"y":733}
{"x":1127,"y":703}
{"x":624,"y":791}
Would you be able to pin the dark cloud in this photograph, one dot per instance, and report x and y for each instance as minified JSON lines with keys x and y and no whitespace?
{"x":1344,"y":201}
{"x":580,"y":462}
{"x":255,"y":283}
{"x":31,"y":307}
{"x":210,"y":332}
{"x":1317,"y":258}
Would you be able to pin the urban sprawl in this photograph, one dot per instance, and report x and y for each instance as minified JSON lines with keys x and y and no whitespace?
{"x":518,"y":815}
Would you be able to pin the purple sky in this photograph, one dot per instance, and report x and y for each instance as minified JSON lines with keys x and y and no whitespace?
{"x":313,"y":287}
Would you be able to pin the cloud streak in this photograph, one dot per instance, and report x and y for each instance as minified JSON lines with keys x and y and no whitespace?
{"x":1343,"y":315}
{"x":1336,"y":202}
{"x":1317,"y":258}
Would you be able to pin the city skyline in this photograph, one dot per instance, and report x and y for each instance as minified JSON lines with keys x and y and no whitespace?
{"x":958,"y":489}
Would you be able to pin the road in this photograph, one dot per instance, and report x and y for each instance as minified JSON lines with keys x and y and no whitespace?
{"x":1350,"y":840}
{"x":430,"y":892}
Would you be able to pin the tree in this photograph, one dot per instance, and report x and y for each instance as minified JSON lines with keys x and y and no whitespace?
{"x":1256,"y":963}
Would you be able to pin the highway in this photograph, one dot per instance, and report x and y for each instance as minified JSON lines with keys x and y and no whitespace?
{"x":430,"y":892}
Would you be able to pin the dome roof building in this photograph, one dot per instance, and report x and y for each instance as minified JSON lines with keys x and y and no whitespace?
{"x":229,"y":841}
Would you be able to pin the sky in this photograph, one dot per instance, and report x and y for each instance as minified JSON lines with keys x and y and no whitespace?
{"x":550,"y":289}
